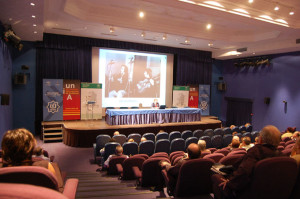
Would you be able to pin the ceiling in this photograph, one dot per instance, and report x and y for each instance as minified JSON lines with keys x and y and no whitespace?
{"x":183,"y":23}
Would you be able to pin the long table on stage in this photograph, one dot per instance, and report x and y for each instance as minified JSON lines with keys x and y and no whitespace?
{"x":150,"y":116}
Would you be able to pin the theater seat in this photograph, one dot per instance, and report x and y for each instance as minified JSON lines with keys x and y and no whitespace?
{"x":125,"y":169}
{"x":101,"y":140}
{"x":38,"y":176}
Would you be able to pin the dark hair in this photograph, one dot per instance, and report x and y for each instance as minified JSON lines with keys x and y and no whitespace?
{"x":18,"y":146}
{"x":194,"y":151}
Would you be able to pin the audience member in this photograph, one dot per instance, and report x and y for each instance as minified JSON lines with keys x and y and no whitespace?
{"x":193,"y":151}
{"x":232,"y":126}
{"x":235,"y":143}
{"x":118,"y":152}
{"x":247,"y":124}
{"x":230,"y":187}
{"x":246,"y":143}
{"x":288,"y":132}
{"x":296,"y":152}
{"x":130,"y":140}
{"x":143,"y":139}
{"x":202,"y":145}
{"x":116,"y":133}
{"x":18,"y":147}
{"x":103,"y":149}
{"x":256,"y":141}
{"x":296,"y":135}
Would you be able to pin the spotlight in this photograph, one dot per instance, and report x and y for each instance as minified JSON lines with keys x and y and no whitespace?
{"x":291,"y":12}
{"x":208,"y":26}
{"x":10,"y":36}
{"x":141,"y":14}
{"x":187,"y":41}
{"x":143,"y":34}
{"x":250,"y":1}
{"x":164,"y":37}
{"x":276,"y":7}
{"x":111,"y":30}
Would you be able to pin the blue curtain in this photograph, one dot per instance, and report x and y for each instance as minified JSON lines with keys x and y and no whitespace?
{"x":69,"y":57}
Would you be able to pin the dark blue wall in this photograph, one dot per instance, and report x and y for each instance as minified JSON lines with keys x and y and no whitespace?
{"x":280,"y":82}
{"x":5,"y":88}
{"x":24,"y":95}
{"x":216,"y":95}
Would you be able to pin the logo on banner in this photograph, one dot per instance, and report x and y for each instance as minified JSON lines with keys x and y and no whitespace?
{"x":53,"y":107}
{"x":203,"y":105}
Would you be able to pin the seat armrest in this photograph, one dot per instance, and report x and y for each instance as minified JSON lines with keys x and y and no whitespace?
{"x":137,"y":172}
{"x":165,"y":175}
{"x":119,"y":168}
{"x":71,"y":188}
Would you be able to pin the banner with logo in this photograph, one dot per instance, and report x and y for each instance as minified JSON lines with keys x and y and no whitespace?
{"x":91,"y":101}
{"x":181,"y":96}
{"x":193,"y":97}
{"x":71,"y":99}
{"x":204,"y":99}
{"x":52,"y":99}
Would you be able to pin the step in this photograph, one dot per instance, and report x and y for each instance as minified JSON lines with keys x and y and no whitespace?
{"x":53,"y":138}
{"x":52,"y":129}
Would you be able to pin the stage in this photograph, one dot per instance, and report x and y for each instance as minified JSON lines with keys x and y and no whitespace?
{"x":83,"y":133}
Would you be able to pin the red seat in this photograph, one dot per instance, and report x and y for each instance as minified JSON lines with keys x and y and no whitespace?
{"x":216,"y":157}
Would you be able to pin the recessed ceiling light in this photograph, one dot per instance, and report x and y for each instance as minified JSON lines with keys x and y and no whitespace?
{"x":210,"y":44}
{"x":33,"y":16}
{"x":111,"y":30}
{"x":141,"y":14}
{"x":35,"y":32}
{"x":34,"y":25}
{"x":291,"y":12}
{"x":276,"y":7}
{"x":187,"y":41}
{"x":250,"y":1}
{"x":164,"y":37}
{"x":208,"y":26}
{"x":32,"y":4}
{"x":253,"y":53}
{"x":10,"y":19}
{"x":143,"y":34}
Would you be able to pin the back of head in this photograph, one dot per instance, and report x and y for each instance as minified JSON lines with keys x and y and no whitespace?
{"x":143,"y":139}
{"x":202,"y":144}
{"x":38,"y":151}
{"x":247,"y":140}
{"x":131,"y":140}
{"x":270,"y":135}
{"x":119,"y":150}
{"x":18,"y":146}
{"x":193,"y":151}
{"x":235,"y":143}
{"x":116,"y":133}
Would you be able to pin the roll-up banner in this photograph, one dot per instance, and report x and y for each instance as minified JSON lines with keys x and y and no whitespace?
{"x":193,"y":97}
{"x":204,"y":99}
{"x":71,"y":99}
{"x":181,"y":96}
{"x":91,"y":101}
{"x":52,"y":99}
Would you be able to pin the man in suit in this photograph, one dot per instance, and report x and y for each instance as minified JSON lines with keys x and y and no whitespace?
{"x":235,"y":184}
{"x":193,"y":152}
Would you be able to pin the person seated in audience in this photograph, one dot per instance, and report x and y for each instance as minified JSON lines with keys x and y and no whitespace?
{"x":296,"y":135}
{"x":296,"y":151}
{"x":234,"y":133}
{"x":143,"y":139}
{"x":118,"y":152}
{"x":39,"y":153}
{"x":202,"y":145}
{"x":246,"y":143}
{"x":232,"y":126}
{"x":288,"y":132}
{"x":18,"y":147}
{"x":103,"y":149}
{"x":116,"y":133}
{"x":193,"y":151}
{"x":247,"y":124}
{"x":235,"y":143}
{"x":230,"y":186}
{"x":130,"y":140}
{"x":256,"y":141}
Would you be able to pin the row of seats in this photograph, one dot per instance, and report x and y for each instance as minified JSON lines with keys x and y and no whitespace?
{"x":162,"y":142}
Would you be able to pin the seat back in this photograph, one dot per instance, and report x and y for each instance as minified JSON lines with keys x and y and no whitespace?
{"x":26,"y":191}
{"x":173,"y":135}
{"x":198,"y":133}
{"x":190,"y":140}
{"x":130,"y":148}
{"x":147,"y":147}
{"x":224,"y":151}
{"x":242,"y":128}
{"x":101,"y":140}
{"x":160,"y":154}
{"x":109,"y":149}
{"x":208,"y":132}
{"x":175,"y":153}
{"x":149,"y":136}
{"x":207,"y":140}
{"x":249,"y":128}
{"x":135,"y":136}
{"x":112,"y":169}
{"x":231,"y":159}
{"x":219,"y":131}
{"x":227,"y":131}
{"x":128,"y":164}
{"x":177,"y":145}
{"x":194,"y":178}
{"x":162,"y":136}
{"x":236,"y":129}
{"x":162,"y":146}
{"x":34,"y":175}
{"x":270,"y":180}
{"x":121,"y":139}
{"x":186,"y":134}
{"x":151,"y":172}
{"x":227,"y":140}
{"x":204,"y":154}
{"x":254,"y":134}
{"x":247,"y":134}
{"x":217,"y":141}
{"x":216,"y":157}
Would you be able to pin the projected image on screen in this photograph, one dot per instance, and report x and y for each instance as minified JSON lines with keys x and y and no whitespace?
{"x":132,"y":76}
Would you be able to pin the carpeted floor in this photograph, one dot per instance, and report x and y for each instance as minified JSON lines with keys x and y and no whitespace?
{"x":79,"y":163}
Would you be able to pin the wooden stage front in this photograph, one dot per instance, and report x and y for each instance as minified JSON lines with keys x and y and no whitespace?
{"x":83,"y":133}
